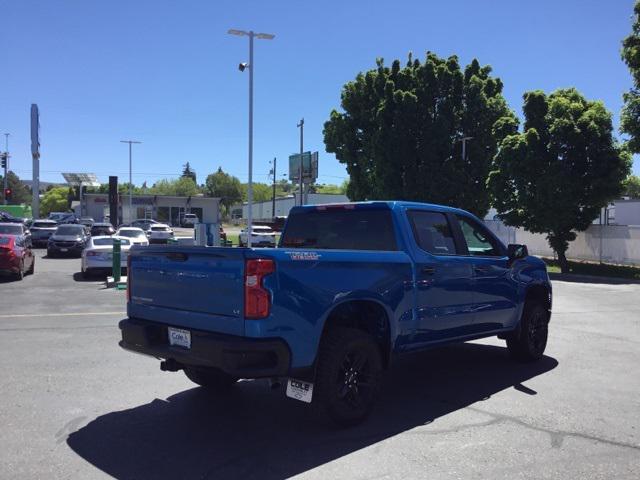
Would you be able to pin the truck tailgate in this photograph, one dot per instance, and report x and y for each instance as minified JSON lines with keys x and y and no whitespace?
{"x":192,"y":287}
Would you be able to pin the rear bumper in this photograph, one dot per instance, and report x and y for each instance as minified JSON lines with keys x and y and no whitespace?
{"x":238,"y":356}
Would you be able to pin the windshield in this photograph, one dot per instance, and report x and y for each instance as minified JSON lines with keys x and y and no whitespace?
{"x":69,"y":230}
{"x":130,"y":233}
{"x":44,"y":224}
{"x":159,"y":229}
{"x":99,"y":242}
{"x":11,"y":229}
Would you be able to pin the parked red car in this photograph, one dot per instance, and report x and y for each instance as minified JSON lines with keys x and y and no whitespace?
{"x":16,"y":257}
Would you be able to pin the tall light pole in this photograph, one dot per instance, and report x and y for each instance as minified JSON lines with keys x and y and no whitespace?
{"x":301,"y":126}
{"x":273,"y":195}
{"x":6,"y":167}
{"x":242,"y":67}
{"x":130,"y":142}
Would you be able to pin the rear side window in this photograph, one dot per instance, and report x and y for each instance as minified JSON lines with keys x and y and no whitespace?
{"x":432,"y":232}
{"x":340,"y":229}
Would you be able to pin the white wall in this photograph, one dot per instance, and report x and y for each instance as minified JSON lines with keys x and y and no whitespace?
{"x":627,"y":212}
{"x":620,"y":244}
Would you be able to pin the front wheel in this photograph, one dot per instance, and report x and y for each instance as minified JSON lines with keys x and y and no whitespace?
{"x":348,"y":375}
{"x":529,"y":341}
{"x":209,"y":377}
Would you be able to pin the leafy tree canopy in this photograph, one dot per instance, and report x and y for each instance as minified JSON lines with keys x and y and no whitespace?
{"x":400,"y":130}
{"x":224,"y":186}
{"x":183,"y":186}
{"x":557,"y":174}
{"x":632,"y":186}
{"x":19,"y":191}
{"x":55,"y":200}
{"x":630,"y":118}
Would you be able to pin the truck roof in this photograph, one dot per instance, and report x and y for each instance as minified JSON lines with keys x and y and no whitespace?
{"x":391,"y":204}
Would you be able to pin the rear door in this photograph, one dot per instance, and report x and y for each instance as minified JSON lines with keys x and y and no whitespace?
{"x":495,"y":291}
{"x":193,"y":287}
{"x":443,"y":279}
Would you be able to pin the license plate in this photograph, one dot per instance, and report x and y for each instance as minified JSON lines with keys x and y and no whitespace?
{"x":64,"y":249}
{"x":300,"y":390}
{"x":179,"y":337}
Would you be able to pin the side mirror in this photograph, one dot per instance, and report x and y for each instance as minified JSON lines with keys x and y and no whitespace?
{"x":516,"y":252}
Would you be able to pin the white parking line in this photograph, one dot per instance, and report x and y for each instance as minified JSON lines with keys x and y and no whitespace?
{"x":71,"y":314}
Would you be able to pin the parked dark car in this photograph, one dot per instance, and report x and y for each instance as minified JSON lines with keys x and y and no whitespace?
{"x":102,"y":228}
{"x":87,"y":221}
{"x":68,"y":239}
{"x":18,"y":229}
{"x":16,"y":257}
{"x":6,"y":217}
{"x":41,"y":230}
{"x":63,"y":217}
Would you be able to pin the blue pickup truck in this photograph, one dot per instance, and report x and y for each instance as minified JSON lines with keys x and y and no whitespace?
{"x":349,"y":288}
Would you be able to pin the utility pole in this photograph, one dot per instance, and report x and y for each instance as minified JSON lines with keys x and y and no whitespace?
{"x":273,"y":195}
{"x":130,"y":142}
{"x":6,"y":166}
{"x":301,"y":125}
{"x":464,"y":147}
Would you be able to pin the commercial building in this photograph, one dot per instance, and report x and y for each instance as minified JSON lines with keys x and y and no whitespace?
{"x":264,"y":210}
{"x":164,"y":208}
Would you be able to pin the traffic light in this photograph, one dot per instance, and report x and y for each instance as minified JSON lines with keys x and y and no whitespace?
{"x":4,"y":160}
{"x":7,"y":194}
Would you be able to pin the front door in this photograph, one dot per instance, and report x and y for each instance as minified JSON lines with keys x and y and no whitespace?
{"x":443,"y":280}
{"x":495,"y":291}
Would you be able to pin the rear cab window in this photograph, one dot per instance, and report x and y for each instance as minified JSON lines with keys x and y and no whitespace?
{"x":340,"y":228}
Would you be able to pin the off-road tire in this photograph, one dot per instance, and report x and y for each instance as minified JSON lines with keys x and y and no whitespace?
{"x":528,"y":342}
{"x":348,"y":376}
{"x":209,"y":377}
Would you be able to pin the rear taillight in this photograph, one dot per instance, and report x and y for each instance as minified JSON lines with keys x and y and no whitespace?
{"x":257,"y":301}
{"x":128,"y":279}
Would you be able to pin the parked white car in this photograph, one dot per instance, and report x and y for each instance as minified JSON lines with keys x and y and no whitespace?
{"x":159,"y":233}
{"x":97,"y":257}
{"x":189,"y":220}
{"x":261,"y":236}
{"x":135,"y":235}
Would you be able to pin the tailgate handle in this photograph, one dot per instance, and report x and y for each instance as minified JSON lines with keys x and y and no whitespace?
{"x":178,"y":257}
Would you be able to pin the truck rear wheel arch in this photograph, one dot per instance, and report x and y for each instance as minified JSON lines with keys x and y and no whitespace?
{"x":367,"y":316}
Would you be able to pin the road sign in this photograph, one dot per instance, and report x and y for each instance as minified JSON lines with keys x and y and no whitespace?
{"x":309,"y":167}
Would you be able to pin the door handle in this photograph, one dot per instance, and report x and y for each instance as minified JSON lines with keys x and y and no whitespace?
{"x":428,"y":270}
{"x":479,"y":269}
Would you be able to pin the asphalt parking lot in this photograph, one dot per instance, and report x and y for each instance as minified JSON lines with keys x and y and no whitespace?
{"x":74,"y":405}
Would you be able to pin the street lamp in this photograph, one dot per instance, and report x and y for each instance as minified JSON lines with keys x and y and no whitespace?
{"x":242,"y":67}
{"x":130,"y":181}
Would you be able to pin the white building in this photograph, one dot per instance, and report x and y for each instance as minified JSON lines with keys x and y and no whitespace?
{"x":164,"y":208}
{"x":264,"y":210}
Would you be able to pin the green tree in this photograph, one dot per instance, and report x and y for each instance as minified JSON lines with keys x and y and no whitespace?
{"x":632,"y":186}
{"x":182,"y":187}
{"x":556,"y":175}
{"x":54,"y":200}
{"x":261,"y":192}
{"x":188,"y":172}
{"x":630,"y":118}
{"x":20,"y":193}
{"x":399,"y":135}
{"x":224,"y":186}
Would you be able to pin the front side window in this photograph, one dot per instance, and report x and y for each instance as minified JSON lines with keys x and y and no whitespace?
{"x":479,"y":241}
{"x":432,"y":232}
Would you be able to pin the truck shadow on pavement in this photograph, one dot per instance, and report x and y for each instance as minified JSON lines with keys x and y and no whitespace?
{"x":253,"y":432}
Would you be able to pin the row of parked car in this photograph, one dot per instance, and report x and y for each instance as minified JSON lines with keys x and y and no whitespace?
{"x":64,"y":234}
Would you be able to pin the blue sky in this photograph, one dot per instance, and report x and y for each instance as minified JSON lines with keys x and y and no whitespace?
{"x":165,"y":72}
